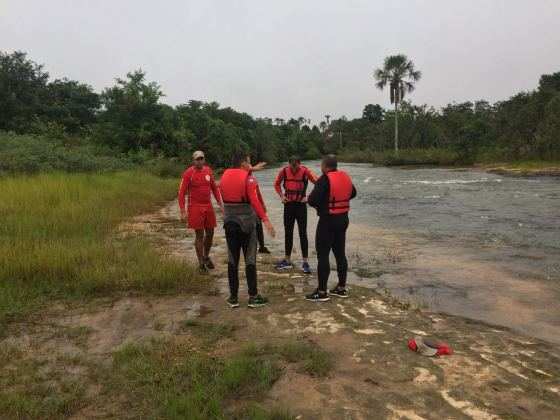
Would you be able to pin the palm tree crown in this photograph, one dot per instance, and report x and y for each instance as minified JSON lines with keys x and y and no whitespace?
{"x":398,"y":72}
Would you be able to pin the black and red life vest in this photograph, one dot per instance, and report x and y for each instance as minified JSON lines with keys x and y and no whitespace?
{"x":233,"y":186}
{"x":295,"y":184}
{"x":340,"y":191}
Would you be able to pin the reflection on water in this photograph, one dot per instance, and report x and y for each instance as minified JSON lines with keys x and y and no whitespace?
{"x":460,"y":241}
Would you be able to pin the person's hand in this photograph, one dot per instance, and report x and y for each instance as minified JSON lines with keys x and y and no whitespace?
{"x":304,"y":199}
{"x":259,"y":166}
{"x":269,"y":228}
{"x":284,"y":199}
{"x":183,"y":214}
{"x":222,"y":209}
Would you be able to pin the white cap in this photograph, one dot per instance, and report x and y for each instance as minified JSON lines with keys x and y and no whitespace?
{"x":198,"y":154}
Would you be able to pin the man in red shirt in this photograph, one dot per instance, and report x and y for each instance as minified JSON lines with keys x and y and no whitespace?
{"x":294,"y":179}
{"x":198,"y":182}
{"x":242,"y":207}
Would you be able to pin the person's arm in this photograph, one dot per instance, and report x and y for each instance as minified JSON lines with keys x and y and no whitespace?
{"x":261,"y":199}
{"x":354,"y":192}
{"x":252,"y":194}
{"x":319,"y":194}
{"x":311,"y":176}
{"x":215,"y":189}
{"x":278,"y":184}
{"x":183,"y":190}
{"x":258,"y":167}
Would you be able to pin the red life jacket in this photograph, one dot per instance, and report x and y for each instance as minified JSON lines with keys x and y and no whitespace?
{"x":340,"y":192}
{"x":295,"y":185}
{"x":233,"y":186}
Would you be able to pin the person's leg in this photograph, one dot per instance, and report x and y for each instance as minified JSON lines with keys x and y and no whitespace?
{"x":289,"y":221}
{"x":250,"y":255}
{"x":323,"y":245}
{"x":339,"y":249}
{"x":208,"y":240}
{"x":234,"y":244}
{"x":301,"y":218}
{"x":199,"y":245}
{"x":260,"y":234}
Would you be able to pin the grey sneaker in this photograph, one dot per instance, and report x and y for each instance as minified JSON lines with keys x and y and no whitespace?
{"x":233,"y":302}
{"x":340,"y":292}
{"x":257,"y":301}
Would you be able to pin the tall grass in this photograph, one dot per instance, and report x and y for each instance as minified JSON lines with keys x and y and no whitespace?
{"x":57,"y":242}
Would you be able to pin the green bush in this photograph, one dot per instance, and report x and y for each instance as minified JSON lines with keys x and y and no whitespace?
{"x":33,"y":153}
{"x":416,"y":157}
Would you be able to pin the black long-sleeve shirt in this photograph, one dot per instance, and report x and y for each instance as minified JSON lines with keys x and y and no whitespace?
{"x":319,"y":197}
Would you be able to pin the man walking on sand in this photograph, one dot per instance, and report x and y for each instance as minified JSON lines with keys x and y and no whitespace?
{"x":294,"y":178}
{"x":331,"y":198}
{"x":198,"y":182}
{"x":242,"y":206}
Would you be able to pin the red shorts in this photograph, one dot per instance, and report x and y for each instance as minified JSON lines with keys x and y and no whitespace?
{"x":201,"y":217}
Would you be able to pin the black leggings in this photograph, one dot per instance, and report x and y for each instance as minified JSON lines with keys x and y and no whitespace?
{"x":331,"y":234}
{"x":236,"y":241}
{"x":260,"y":234}
{"x":295,"y":211}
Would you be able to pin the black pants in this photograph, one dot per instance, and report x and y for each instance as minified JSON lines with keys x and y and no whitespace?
{"x":260,"y":234}
{"x":238,"y":240}
{"x":331,"y":234}
{"x":295,"y":211}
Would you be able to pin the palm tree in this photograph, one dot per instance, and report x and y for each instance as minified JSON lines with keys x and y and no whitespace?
{"x":328,"y":118}
{"x":398,"y":72}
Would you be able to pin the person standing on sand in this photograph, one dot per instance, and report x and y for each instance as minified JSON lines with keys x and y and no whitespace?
{"x":294,"y":179}
{"x":198,"y":182}
{"x":260,"y":233}
{"x":331,"y":198}
{"x":242,"y":206}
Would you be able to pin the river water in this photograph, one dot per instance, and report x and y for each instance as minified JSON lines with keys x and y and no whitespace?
{"x":463,"y":242}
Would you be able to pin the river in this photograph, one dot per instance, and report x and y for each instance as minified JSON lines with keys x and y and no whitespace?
{"x":463,"y":242}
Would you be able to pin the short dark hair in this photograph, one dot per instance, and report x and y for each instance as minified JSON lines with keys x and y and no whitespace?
{"x":330,"y":161}
{"x":294,"y":159}
{"x":238,"y":157}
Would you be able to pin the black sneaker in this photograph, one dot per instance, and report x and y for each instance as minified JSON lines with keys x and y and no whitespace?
{"x":339,"y":292}
{"x":257,"y":301}
{"x":264,"y":250}
{"x":233,"y":302}
{"x":209,"y":264}
{"x":318,"y":296}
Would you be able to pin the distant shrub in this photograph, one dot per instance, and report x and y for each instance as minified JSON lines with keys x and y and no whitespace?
{"x":34,"y":153}
{"x":416,"y":157}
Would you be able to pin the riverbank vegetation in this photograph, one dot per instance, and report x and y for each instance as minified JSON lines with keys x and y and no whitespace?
{"x":59,"y":240}
{"x":65,"y":125}
{"x":525,"y":127}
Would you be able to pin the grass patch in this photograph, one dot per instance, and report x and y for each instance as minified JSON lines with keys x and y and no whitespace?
{"x":170,"y":380}
{"x":210,"y":333}
{"x":440,"y":157}
{"x":57,"y":239}
{"x":33,"y":389}
{"x":311,"y":358}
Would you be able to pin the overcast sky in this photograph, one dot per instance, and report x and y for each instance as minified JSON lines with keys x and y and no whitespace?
{"x":292,"y":57}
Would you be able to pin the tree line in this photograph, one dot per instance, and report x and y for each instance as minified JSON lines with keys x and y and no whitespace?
{"x":130,"y":118}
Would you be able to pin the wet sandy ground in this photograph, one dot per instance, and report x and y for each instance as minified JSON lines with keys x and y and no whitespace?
{"x":495,"y":373}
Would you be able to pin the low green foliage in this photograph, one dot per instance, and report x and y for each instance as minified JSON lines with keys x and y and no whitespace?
{"x":209,"y":332}
{"x":58,"y":239}
{"x":170,"y":380}
{"x":312,"y":359}
{"x":37,"y":153}
{"x":29,"y":389}
{"x":442,"y":157}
